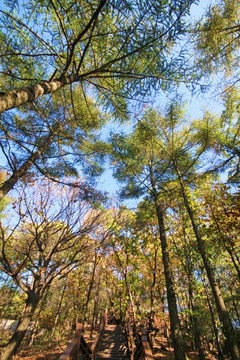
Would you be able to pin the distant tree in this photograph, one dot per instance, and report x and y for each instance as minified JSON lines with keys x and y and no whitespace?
{"x":164,"y":156}
{"x":145,"y":169}
{"x":184,"y":155}
{"x":50,"y":237}
{"x":146,"y":235}
{"x":219,"y":135}
{"x":222,"y":207}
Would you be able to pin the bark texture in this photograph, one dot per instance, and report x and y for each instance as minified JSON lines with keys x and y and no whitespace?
{"x":18,"y":97}
{"x":176,"y":332}
{"x":15,"y":341}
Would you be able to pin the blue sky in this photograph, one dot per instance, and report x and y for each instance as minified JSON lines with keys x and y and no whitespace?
{"x":196,"y":106}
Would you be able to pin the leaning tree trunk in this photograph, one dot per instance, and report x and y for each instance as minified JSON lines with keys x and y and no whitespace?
{"x":15,"y":341}
{"x":23,"y":169}
{"x":221,"y":308}
{"x":176,"y":332}
{"x":22,"y":96}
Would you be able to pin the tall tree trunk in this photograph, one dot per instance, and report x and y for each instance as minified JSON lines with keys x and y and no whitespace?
{"x":124,"y":274}
{"x":191,"y":305}
{"x":176,"y":332}
{"x":235,"y":263}
{"x":15,"y":341}
{"x":219,"y":348}
{"x":120,"y":307}
{"x":223,"y":313}
{"x":165,"y":318}
{"x":131,"y":300}
{"x":95,"y":308}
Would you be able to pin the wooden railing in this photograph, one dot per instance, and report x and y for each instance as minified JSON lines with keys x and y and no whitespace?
{"x":138,"y":340}
{"x":78,"y":349}
{"x":98,"y":338}
{"x":76,"y":346}
{"x":147,"y":351}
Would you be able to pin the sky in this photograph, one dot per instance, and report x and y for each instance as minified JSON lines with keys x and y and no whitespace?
{"x":195,"y":104}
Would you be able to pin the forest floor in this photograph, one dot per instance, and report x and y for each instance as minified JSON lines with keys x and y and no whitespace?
{"x":35,"y":353}
{"x":48,"y":351}
{"x":51,"y":350}
{"x":162,"y":350}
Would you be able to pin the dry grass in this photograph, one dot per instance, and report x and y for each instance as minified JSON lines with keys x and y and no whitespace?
{"x":162,"y":350}
{"x":50,"y":350}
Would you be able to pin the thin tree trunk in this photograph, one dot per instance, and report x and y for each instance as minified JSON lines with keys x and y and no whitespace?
{"x":90,"y":289}
{"x":131,"y":301}
{"x":95,"y":306}
{"x":235,"y":305}
{"x":15,"y":341}
{"x":197,"y":338}
{"x":124,"y":273}
{"x":58,"y":310}
{"x":189,"y":271}
{"x":154,"y":270}
{"x":176,"y":332}
{"x":120,"y":307}
{"x":236,"y":265}
{"x":34,"y":333}
{"x":165,"y":319}
{"x":219,"y":348}
{"x":223,"y":313}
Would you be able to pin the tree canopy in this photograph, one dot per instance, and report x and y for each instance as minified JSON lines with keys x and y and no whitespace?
{"x":118,"y":49}
{"x":70,"y":71}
